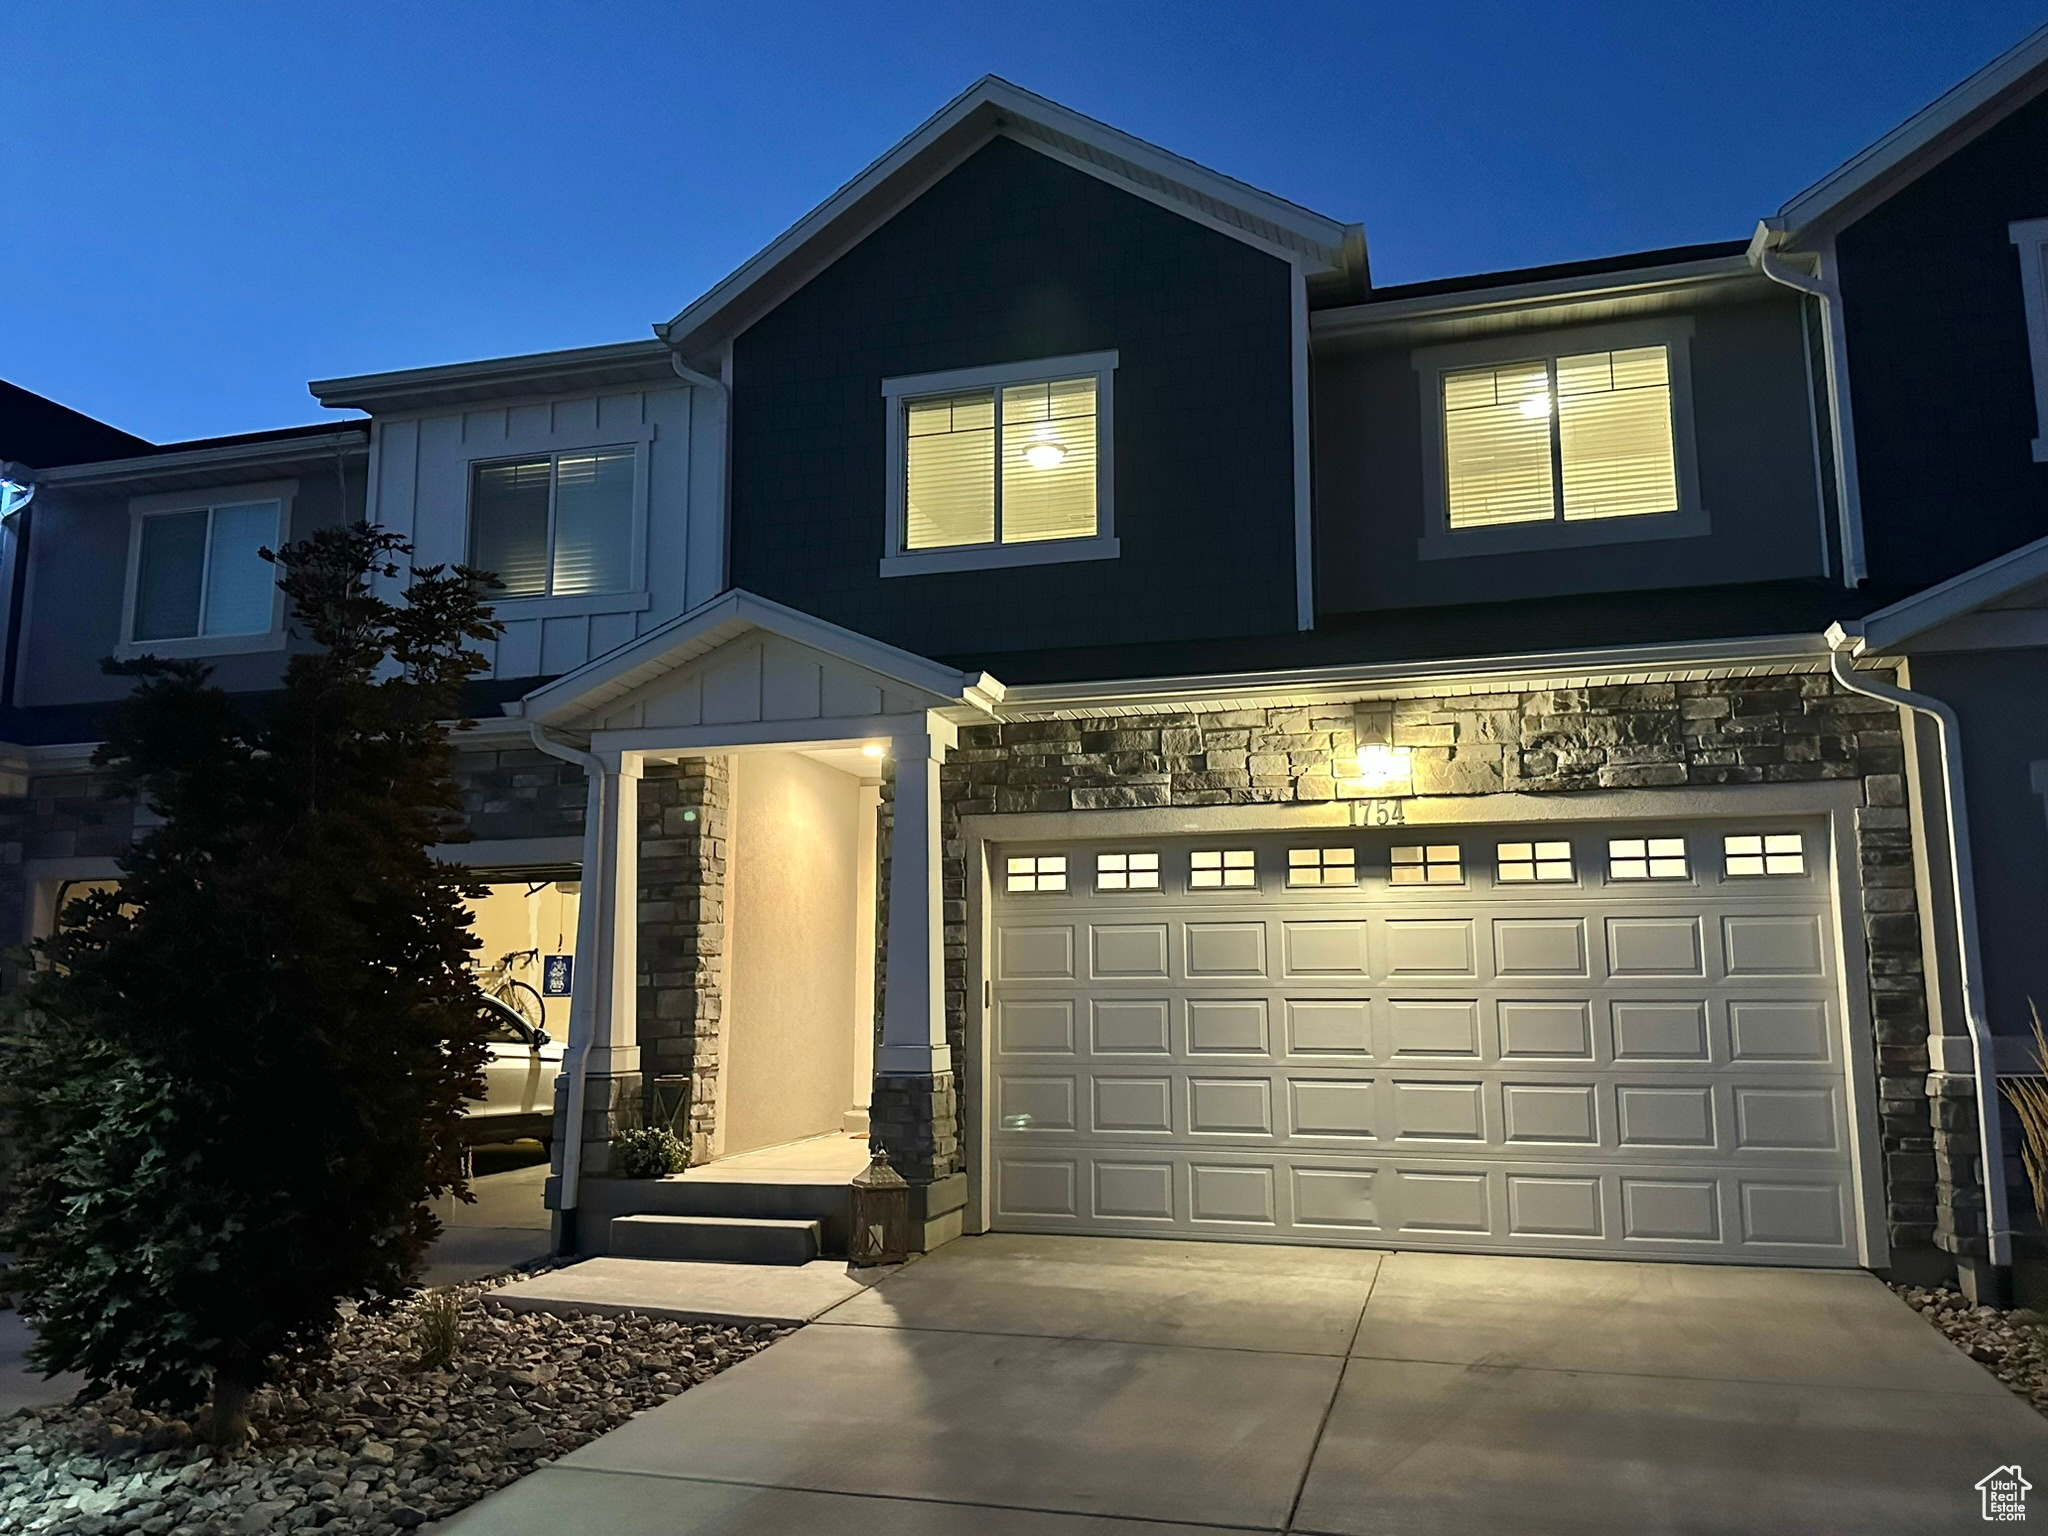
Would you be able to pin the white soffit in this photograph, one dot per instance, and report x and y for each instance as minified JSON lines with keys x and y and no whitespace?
{"x":1922,"y":140}
{"x":989,"y":108}
{"x":1633,"y":666}
{"x":580,"y":697}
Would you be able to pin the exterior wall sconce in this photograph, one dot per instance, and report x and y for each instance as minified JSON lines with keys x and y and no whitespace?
{"x":879,"y":1208}
{"x":1380,"y":768}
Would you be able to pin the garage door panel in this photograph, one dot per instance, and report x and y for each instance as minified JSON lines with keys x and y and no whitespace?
{"x":1636,"y":1068}
{"x":1419,"y":1026}
{"x":1535,"y":1029}
{"x":1225,"y":949}
{"x":1126,"y":1026}
{"x":1228,"y":1026}
{"x":1329,"y":1026}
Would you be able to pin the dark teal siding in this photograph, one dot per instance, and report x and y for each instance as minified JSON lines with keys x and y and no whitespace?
{"x":1942,"y":387}
{"x":1014,"y":256}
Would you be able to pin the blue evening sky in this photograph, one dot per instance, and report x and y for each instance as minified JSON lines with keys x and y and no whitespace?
{"x":202,"y":207}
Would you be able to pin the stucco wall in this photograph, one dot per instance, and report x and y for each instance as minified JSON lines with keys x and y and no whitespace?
{"x":791,"y":882}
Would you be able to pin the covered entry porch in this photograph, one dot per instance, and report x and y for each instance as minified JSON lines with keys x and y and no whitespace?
{"x":759,"y":956}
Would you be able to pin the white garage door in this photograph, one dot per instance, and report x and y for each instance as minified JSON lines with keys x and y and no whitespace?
{"x":1618,"y":1039}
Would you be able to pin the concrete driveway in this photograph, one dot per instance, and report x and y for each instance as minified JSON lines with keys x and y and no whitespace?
{"x":1014,"y":1386}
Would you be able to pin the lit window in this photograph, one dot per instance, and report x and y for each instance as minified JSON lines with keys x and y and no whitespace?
{"x":1036,"y":872}
{"x":1432,"y":864}
{"x":1012,"y":464}
{"x":554,"y":525}
{"x":198,"y":572}
{"x":1322,"y":866}
{"x":1774,"y":853}
{"x":1647,"y":858}
{"x":1523,"y":863}
{"x":1225,"y":869}
{"x":1568,"y":438}
{"x":1127,"y":871}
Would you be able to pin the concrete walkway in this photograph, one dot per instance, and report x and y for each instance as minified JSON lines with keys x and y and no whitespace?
{"x":1100,"y":1387}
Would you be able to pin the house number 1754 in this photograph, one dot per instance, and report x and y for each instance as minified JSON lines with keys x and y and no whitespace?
{"x":1377,"y":813}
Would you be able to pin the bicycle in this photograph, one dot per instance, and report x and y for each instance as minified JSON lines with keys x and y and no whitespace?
{"x":502,"y":987}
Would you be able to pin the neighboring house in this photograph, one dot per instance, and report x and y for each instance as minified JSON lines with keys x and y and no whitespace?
{"x":1192,"y":743}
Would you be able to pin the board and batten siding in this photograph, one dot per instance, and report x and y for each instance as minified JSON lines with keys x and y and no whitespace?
{"x":421,"y":472}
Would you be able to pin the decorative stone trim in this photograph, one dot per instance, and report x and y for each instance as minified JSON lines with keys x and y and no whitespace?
{"x":684,"y":824}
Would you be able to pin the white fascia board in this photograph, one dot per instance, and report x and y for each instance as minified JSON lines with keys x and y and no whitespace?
{"x":1509,"y":298}
{"x":1934,"y":132}
{"x":258,"y":455}
{"x":495,"y":377}
{"x":1889,"y":628}
{"x":724,"y":619}
{"x":1395,"y":679}
{"x":989,"y":107}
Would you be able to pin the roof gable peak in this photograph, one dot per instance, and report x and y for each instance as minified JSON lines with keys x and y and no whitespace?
{"x":994,"y":107}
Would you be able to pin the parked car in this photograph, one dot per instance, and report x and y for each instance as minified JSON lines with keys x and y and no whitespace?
{"x":519,"y":1080}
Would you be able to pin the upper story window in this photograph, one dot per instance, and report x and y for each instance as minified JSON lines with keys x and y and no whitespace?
{"x":555,"y":524}
{"x":197,"y":581}
{"x":1000,"y":466}
{"x":2031,"y":236}
{"x":1576,"y":438}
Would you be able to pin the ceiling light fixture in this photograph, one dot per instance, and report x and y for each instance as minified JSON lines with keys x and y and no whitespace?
{"x":872,"y":749}
{"x":1537,"y":405}
{"x":1045,"y":451}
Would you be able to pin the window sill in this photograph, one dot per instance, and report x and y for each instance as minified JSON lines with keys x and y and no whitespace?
{"x":1526,"y":538}
{"x":995,"y":557}
{"x":510,"y":609}
{"x":201,"y":646}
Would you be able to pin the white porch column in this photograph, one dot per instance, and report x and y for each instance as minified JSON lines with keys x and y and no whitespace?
{"x":914,"y":1005}
{"x":607,"y":988}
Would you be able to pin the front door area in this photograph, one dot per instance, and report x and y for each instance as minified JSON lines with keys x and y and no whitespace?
{"x":1618,"y":1039}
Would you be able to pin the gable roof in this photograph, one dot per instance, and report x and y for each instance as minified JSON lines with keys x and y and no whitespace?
{"x":989,"y":108}
{"x":2014,"y":583}
{"x":1927,"y":137}
{"x":587,"y":691}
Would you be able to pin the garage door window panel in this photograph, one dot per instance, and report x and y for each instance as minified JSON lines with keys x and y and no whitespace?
{"x":1427,"y":864}
{"x":1223,"y":869}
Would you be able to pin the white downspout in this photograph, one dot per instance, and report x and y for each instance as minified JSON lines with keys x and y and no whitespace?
{"x":723,"y":390}
{"x":1835,"y":346}
{"x":1997,"y":1220}
{"x":582,"y":1023}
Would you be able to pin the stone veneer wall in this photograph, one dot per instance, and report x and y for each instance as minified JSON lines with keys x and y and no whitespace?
{"x":684,"y":811}
{"x":1761,"y":730}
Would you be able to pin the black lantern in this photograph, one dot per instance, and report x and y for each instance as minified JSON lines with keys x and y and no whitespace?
{"x":879,"y":1203}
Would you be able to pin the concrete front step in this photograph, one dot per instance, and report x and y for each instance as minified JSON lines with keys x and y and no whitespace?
{"x":715,"y":1239}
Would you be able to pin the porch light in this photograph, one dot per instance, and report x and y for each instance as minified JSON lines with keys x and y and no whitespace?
{"x":872,"y":749}
{"x":1380,"y":765}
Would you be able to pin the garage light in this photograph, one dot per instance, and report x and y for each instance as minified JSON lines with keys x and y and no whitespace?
{"x":1378,"y":767}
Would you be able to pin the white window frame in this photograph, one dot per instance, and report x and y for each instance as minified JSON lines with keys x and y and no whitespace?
{"x":634,"y":596}
{"x":1101,"y":545}
{"x":141,"y":508}
{"x":1440,"y":541}
{"x":2031,"y":236}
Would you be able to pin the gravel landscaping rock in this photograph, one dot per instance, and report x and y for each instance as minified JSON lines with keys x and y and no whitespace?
{"x":2013,"y":1346}
{"x":367,"y":1443}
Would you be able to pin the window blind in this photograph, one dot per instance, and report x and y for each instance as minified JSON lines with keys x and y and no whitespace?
{"x":241,"y":586}
{"x":950,"y":471}
{"x":1497,"y":445}
{"x":593,"y":521}
{"x":1614,"y":434}
{"x":1049,"y":461}
{"x":508,"y":523}
{"x":1579,"y":437}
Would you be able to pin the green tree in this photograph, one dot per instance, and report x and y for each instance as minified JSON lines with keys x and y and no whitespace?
{"x":237,"y":1082}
